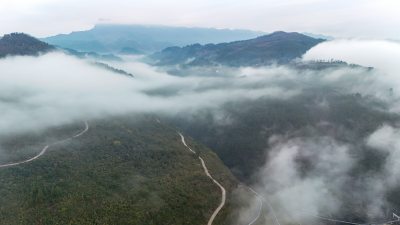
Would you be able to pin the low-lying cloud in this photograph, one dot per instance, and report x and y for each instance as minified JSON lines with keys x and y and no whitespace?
{"x":307,"y":177}
{"x":303,"y":174}
{"x":311,"y":173}
{"x":387,"y":140}
{"x":53,"y":89}
{"x":380,"y":54}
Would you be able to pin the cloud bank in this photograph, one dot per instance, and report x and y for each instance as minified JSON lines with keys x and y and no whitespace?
{"x":380,"y":54}
{"x":307,"y":177}
{"x":312,"y":173}
{"x":37,"y":92}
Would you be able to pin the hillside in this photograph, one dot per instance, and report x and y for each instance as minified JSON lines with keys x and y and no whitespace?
{"x":242,"y":136}
{"x":22,"y":44}
{"x":279,"y":47}
{"x":123,"y":170}
{"x":352,"y":118}
{"x":137,"y":39}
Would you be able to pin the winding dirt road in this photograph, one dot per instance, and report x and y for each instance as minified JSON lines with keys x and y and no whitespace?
{"x":45,"y":149}
{"x":223,"y":191}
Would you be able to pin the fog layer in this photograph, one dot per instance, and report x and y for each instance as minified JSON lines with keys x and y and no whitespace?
{"x":305,"y":175}
{"x":37,"y":92}
{"x":309,"y":176}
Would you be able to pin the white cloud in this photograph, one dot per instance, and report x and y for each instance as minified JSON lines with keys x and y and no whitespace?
{"x":379,"y":54}
{"x":387,"y":139}
{"x":36,"y":92}
{"x":299,"y":191}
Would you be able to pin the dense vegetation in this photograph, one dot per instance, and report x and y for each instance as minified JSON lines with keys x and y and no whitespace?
{"x":241,"y":137}
{"x":122,"y":171}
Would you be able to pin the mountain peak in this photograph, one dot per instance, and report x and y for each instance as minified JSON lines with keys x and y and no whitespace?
{"x":16,"y":36}
{"x":280,"y":32}
{"x":279,"y":47}
{"x":22,"y":44}
{"x":286,"y":35}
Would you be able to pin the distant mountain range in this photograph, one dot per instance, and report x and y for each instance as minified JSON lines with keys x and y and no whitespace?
{"x":279,"y":47}
{"x":22,"y":44}
{"x":143,"y":39}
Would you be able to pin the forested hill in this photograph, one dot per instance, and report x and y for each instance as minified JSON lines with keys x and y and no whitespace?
{"x":278,"y":47}
{"x":123,"y":170}
{"x":22,"y":44}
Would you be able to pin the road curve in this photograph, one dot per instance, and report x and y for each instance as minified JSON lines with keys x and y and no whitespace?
{"x":82,"y":132}
{"x":264,"y":199}
{"x":223,"y":191}
{"x":45,"y":149}
{"x":259,"y":209}
{"x":26,"y":161}
{"x":184,"y":143}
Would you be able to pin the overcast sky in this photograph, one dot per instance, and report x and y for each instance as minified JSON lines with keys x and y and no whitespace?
{"x":339,"y":18}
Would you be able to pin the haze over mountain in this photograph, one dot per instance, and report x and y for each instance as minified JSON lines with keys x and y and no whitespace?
{"x":278,"y":47}
{"x":134,"y":39}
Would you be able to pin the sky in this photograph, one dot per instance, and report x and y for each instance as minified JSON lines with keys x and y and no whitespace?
{"x":376,"y":19}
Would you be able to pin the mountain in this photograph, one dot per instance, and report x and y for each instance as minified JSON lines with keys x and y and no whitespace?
{"x":278,"y":47}
{"x":122,"y":170}
{"x":22,"y":44}
{"x":135,"y":39}
{"x":245,"y":132}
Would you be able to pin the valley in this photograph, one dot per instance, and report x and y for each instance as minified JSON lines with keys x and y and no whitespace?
{"x":120,"y":124}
